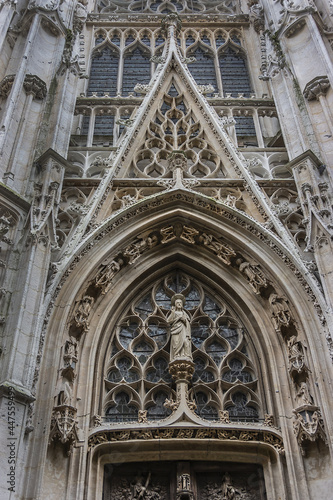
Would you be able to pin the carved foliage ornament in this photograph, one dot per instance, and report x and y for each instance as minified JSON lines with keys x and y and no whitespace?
{"x":6,"y":85}
{"x":109,"y":436}
{"x":34,"y":85}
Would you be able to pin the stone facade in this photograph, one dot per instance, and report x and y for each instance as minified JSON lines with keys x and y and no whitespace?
{"x":166,"y":249}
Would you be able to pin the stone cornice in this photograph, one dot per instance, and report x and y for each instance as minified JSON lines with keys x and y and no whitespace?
{"x":108,"y":101}
{"x":155,"y":19}
{"x":92,"y":101}
{"x":10,"y":195}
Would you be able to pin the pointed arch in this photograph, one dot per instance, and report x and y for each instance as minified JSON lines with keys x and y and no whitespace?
{"x":104,"y":70}
{"x":234,"y":71}
{"x":137,"y":67}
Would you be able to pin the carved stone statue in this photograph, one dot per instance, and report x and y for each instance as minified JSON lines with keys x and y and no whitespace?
{"x":280,"y":310}
{"x":139,"y":488}
{"x":228,"y":491}
{"x":294,"y":351}
{"x":304,"y":395}
{"x":83,"y":311}
{"x":71,"y":351}
{"x":254,"y":275}
{"x":296,"y":357}
{"x":104,"y":278}
{"x":65,"y":393}
{"x":180,"y":329}
{"x":223,"y":252}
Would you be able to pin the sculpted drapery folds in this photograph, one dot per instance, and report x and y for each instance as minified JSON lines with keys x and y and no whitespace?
{"x":180,"y":329}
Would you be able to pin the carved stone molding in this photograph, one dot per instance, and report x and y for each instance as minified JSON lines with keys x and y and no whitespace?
{"x":34,"y":85}
{"x":6,"y":85}
{"x":308,"y":425}
{"x":64,"y":426}
{"x":211,"y":433}
{"x":316,"y":88}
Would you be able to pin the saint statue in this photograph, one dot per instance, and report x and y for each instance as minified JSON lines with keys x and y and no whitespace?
{"x":180,"y":329}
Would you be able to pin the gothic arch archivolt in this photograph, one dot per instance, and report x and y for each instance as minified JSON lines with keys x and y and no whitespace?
{"x":225,"y":251}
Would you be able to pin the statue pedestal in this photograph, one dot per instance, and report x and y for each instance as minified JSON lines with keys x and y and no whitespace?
{"x":181,"y":369}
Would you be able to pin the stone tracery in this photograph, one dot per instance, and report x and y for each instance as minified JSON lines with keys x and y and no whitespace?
{"x":142,"y":349}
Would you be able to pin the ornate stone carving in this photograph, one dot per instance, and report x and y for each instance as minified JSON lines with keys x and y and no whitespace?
{"x":133,"y":251}
{"x":269,"y":420}
{"x":303,"y":395}
{"x":181,"y":369}
{"x":257,"y":15}
{"x":177,"y":159}
{"x":171,"y":404}
{"x":172,"y":19}
{"x":188,"y":60}
{"x":206,"y":89}
{"x":6,"y":85}
{"x":180,"y":330}
{"x":64,"y":425}
{"x":296,"y":357}
{"x":188,"y":234}
{"x":308,"y":425}
{"x":224,"y":416}
{"x":316,"y":88}
{"x":222,"y":251}
{"x":6,"y":222}
{"x":184,"y":491}
{"x":34,"y":85}
{"x":272,"y":438}
{"x":97,"y":421}
{"x":126,"y":123}
{"x":280,"y":311}
{"x":142,"y":417}
{"x":254,"y":276}
{"x":82,"y":312}
{"x":104,"y":278}
{"x":70,"y":358}
{"x":157,"y":59}
{"x":141,"y":88}
{"x":168,"y":234}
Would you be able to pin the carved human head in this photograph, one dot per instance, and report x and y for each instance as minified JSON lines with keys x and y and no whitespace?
{"x":176,"y":297}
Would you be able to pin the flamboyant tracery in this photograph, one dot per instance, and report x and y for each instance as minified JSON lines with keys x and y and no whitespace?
{"x":137,"y":375}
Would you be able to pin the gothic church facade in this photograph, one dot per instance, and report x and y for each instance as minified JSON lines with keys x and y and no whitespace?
{"x":166,"y":249}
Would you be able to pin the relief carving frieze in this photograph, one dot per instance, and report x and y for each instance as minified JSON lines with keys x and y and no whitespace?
{"x":109,"y":436}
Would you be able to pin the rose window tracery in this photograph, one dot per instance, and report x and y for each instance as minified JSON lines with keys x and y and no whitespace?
{"x":137,"y":373}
